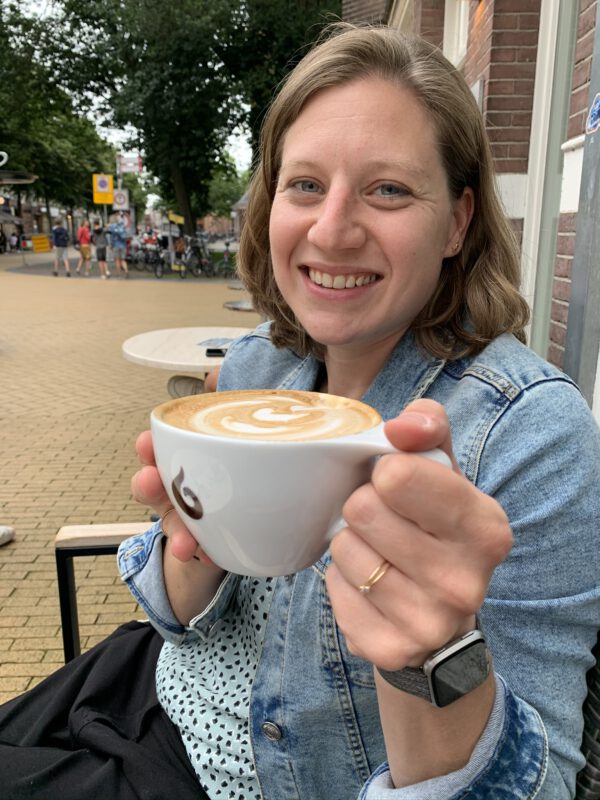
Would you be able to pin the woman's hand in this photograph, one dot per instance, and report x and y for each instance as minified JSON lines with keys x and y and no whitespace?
{"x":191,"y":578}
{"x":147,"y":489}
{"x":442,"y":537}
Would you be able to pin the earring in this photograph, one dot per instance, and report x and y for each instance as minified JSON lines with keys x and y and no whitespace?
{"x":456,"y":246}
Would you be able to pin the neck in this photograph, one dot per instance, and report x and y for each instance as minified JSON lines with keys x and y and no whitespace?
{"x":350,"y":371}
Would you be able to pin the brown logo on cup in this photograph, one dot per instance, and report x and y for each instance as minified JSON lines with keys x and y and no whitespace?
{"x":193,"y":508}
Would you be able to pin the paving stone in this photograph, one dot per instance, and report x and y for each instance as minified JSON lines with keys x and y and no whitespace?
{"x":70,"y":411}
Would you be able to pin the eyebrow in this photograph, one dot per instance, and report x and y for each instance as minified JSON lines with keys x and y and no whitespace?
{"x":414,"y":170}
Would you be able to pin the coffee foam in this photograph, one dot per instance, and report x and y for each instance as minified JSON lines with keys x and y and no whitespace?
{"x":269,"y":415}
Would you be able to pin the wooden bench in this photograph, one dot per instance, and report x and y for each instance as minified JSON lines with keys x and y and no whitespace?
{"x":83,"y":540}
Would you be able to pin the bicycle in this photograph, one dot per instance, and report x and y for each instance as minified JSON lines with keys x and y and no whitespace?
{"x":196,"y":258}
{"x":224,"y":267}
{"x":163,"y":266}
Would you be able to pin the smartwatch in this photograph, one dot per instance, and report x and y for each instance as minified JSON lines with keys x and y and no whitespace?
{"x":450,"y":673}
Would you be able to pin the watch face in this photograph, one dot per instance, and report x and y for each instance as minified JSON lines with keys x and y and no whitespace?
{"x":459,"y":673}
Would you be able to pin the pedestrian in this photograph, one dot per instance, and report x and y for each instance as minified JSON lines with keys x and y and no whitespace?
{"x":14,"y":242}
{"x":376,"y":246}
{"x":99,"y":237}
{"x":118,"y":241}
{"x":84,"y":237}
{"x":60,"y":242}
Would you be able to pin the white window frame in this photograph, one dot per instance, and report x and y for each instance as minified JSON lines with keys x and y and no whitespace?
{"x":456,"y":30}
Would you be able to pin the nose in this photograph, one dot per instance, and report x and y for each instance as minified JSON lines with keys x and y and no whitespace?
{"x":337,"y":224}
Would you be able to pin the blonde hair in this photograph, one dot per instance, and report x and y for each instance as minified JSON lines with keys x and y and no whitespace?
{"x":477,"y":297}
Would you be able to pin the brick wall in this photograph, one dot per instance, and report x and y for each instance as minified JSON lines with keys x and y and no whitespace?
{"x":582,"y":67}
{"x":561,"y":287}
{"x":567,"y":223}
{"x":358,"y":11}
{"x":502,"y":53}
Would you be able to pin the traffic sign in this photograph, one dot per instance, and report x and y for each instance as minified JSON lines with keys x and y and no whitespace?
{"x":121,"y":200}
{"x":130,"y":163}
{"x":103,"y":189}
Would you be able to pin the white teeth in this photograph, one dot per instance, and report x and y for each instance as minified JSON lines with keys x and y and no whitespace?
{"x":339,"y":281}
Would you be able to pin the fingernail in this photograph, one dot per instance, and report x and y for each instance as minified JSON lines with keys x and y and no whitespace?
{"x":424,"y":421}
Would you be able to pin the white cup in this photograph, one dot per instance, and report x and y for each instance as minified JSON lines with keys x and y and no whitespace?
{"x":260,"y":507}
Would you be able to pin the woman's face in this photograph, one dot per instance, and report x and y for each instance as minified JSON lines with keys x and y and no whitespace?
{"x":362,"y":217}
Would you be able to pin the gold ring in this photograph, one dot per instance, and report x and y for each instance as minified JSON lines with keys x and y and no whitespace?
{"x":375,"y":576}
{"x":163,"y":518}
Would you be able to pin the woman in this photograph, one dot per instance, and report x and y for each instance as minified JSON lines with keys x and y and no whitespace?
{"x":84,"y":237}
{"x":376,"y":245}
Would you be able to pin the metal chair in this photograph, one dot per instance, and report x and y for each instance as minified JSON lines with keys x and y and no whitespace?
{"x":588,"y":780}
{"x":83,"y":540}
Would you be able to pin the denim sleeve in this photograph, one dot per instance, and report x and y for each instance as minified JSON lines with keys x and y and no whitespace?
{"x":507,"y":763}
{"x":140,"y":561}
{"x":541,"y":460}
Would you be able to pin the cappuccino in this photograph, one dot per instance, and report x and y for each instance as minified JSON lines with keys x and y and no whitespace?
{"x":263,"y":415}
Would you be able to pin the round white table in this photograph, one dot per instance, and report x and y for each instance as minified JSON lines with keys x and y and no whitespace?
{"x":181,"y":350}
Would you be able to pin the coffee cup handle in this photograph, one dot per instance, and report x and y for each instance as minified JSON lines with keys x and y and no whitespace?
{"x":434,"y":455}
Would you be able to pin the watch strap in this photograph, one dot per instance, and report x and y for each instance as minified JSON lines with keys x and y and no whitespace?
{"x":448,"y":674}
{"x":410,"y":679}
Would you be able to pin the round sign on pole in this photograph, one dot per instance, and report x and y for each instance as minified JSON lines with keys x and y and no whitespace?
{"x":121,"y":199}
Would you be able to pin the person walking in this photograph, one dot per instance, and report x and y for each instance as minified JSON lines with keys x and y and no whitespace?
{"x":100,"y":240}
{"x":84,"y":237}
{"x":60,"y":242}
{"x":118,"y":242}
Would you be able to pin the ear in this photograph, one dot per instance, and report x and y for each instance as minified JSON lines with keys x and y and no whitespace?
{"x":462,"y":214}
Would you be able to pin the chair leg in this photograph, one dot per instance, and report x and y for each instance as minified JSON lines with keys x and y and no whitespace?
{"x":68,"y":604}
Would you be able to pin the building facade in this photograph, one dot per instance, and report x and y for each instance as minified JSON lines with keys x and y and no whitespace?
{"x":534,"y":69}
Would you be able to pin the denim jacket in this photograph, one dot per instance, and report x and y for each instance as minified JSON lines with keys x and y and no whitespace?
{"x":523,"y":434}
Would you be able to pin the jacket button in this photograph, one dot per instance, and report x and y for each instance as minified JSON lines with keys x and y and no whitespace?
{"x":271,"y":731}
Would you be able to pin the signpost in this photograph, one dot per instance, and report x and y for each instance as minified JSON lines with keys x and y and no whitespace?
{"x":103,"y":189}
{"x":130,"y":162}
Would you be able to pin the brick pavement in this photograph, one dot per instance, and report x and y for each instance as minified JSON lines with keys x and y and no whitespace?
{"x":70,"y":409}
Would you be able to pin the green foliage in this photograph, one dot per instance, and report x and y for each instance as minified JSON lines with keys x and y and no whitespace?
{"x":153,"y":66}
{"x":42,"y":133}
{"x":180,"y":75}
{"x":226,"y":188}
{"x":269,"y":39}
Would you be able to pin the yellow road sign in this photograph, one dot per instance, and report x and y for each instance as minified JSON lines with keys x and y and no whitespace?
{"x":40,"y":243}
{"x":103,"y":189}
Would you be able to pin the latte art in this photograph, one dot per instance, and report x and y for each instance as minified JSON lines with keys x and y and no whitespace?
{"x":270,"y":415}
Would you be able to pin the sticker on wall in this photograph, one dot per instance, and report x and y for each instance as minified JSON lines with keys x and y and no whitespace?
{"x":592,"y":123}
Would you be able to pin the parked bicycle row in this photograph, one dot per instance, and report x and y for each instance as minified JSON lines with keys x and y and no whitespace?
{"x":189,"y":256}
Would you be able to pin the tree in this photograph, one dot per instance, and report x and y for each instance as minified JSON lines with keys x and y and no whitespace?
{"x":226,"y":188}
{"x":183,"y":75}
{"x":42,"y":133}
{"x":268,"y":40}
{"x":153,"y":66}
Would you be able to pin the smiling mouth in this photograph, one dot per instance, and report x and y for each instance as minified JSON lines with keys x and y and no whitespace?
{"x":340,"y":281}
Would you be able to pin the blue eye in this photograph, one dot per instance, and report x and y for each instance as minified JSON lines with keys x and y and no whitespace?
{"x":390,"y":190}
{"x":307,"y":186}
